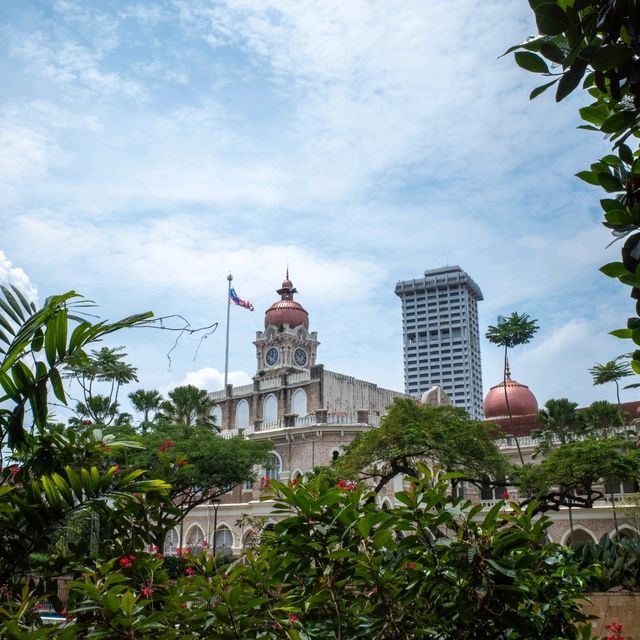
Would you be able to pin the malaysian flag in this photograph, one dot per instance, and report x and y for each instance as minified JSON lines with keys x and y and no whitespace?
{"x":233,"y":297}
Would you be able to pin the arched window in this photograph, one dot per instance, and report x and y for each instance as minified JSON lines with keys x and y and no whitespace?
{"x":223,"y":539}
{"x":579,"y":535}
{"x":299,"y":402}
{"x":273,"y":467}
{"x":624,"y":531}
{"x":195,"y":537}
{"x":270,"y":409}
{"x":216,"y":414}
{"x":242,"y":414}
{"x":249,"y":539}
{"x":171,"y":543}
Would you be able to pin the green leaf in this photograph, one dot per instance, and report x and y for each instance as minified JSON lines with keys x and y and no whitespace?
{"x":56,"y":383}
{"x":618,"y":121}
{"x":595,"y":113}
{"x":609,"y":183}
{"x":551,"y":19}
{"x":589,"y":177}
{"x":625,"y":153}
{"x":541,"y":89}
{"x":622,"y":333}
{"x":15,"y":305}
{"x":531,"y":62}
{"x":635,"y":365}
{"x":570,"y":79}
{"x":610,"y":56}
{"x":552,"y":52}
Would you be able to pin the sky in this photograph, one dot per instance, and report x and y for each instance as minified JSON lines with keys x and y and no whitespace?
{"x":148,"y":149}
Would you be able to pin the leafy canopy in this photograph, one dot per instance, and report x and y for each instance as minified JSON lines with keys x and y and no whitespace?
{"x":411,"y":433}
{"x":513,"y":331}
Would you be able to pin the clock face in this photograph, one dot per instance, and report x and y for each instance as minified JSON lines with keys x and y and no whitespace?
{"x":300,"y":357}
{"x":272,"y":356}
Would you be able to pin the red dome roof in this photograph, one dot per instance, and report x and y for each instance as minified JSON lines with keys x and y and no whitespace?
{"x":286,"y":311}
{"x":521,"y":401}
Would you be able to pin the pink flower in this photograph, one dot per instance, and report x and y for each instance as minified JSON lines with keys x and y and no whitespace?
{"x":204,"y":543}
{"x":14,"y":469}
{"x":179,"y":550}
{"x":146,"y":591}
{"x":342,"y":483}
{"x":293,"y":617}
{"x":153,"y":548}
{"x":125,"y":561}
{"x":186,"y":550}
{"x":409,"y":565}
{"x":264,"y":482}
{"x":189,"y":571}
{"x":505,"y":495}
{"x":159,"y":556}
{"x":87,"y":422}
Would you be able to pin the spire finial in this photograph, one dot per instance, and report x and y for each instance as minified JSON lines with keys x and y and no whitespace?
{"x":287,"y":271}
{"x":507,"y":371}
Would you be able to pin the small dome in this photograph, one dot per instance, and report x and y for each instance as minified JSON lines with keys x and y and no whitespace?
{"x":521,"y":401}
{"x":286,"y":311}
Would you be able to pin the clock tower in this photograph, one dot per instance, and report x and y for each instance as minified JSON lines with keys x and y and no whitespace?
{"x":286,"y":342}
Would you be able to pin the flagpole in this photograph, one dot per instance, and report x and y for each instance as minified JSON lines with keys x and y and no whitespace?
{"x":226,"y":349}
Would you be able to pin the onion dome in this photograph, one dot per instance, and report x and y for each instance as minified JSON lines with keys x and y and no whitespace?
{"x":286,"y":311}
{"x":521,"y":401}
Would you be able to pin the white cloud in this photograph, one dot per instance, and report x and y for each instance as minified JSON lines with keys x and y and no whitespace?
{"x":16,"y":276}
{"x":211,"y":379}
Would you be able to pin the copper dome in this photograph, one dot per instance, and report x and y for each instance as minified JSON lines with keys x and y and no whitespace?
{"x":521,"y":401}
{"x":286,"y":311}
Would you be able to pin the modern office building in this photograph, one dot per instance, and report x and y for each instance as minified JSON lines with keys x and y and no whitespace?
{"x":442,"y":337}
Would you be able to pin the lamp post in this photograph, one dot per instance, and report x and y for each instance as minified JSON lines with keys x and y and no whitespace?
{"x":216,"y":506}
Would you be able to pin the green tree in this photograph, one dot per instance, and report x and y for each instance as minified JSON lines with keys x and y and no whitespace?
{"x":573,"y":474}
{"x":603,"y":418}
{"x":199,"y":464}
{"x":612,"y":371}
{"x":594,"y":44}
{"x":562,"y":424}
{"x":56,"y":473}
{"x":107,"y":366}
{"x":412,"y":433}
{"x":188,"y":405}
{"x":508,"y":333}
{"x":146,"y":402}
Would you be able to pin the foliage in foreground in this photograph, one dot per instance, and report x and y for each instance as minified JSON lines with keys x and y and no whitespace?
{"x":338,"y":566}
{"x":595,"y":44}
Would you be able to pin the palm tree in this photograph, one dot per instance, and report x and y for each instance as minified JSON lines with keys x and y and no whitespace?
{"x":146,"y":402}
{"x":97,"y":409}
{"x":188,"y":405}
{"x":611,"y":371}
{"x":511,"y":332}
{"x":603,"y":418}
{"x":562,"y":424}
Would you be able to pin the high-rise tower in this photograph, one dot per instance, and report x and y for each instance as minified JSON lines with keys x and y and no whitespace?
{"x":441,"y":336}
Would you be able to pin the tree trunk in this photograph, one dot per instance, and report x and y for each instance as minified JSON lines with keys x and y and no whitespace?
{"x":506,"y":398}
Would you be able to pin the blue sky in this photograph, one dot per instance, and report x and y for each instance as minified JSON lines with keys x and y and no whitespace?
{"x":147,"y":149}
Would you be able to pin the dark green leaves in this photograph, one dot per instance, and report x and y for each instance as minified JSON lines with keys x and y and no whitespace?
{"x":531,"y":62}
{"x":550,"y":18}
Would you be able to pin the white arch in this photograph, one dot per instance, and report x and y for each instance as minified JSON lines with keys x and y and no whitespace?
{"x":576,"y":528}
{"x":273,"y":468}
{"x":270,"y":408}
{"x":216,"y":414}
{"x":386,"y":504}
{"x":224,"y":539}
{"x":296,"y":474}
{"x":299,"y":402}
{"x":171,"y":542}
{"x":624,"y":531}
{"x":194,"y":536}
{"x":242,"y":414}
